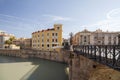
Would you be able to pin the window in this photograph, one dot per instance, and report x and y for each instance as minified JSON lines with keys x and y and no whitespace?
{"x":84,"y":37}
{"x":109,"y":42}
{"x":58,"y":28}
{"x":52,"y":34}
{"x":47,"y":40}
{"x":95,"y":37}
{"x":47,"y":34}
{"x":42,"y":45}
{"x":42,"y":40}
{"x":84,"y":40}
{"x":52,"y":40}
{"x":38,"y":36}
{"x":56,"y":34}
{"x":38,"y":41}
{"x":114,"y":39}
{"x":109,"y":38}
{"x":47,"y":45}
{"x":42,"y":35}
{"x":102,"y":42}
{"x":56,"y":40}
{"x":114,"y":42}
{"x":52,"y":45}
{"x":99,"y":42}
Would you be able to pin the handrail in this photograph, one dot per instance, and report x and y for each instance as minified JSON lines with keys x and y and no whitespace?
{"x":105,"y":54}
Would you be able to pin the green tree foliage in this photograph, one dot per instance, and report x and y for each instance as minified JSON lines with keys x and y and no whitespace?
{"x":9,"y":41}
{"x":12,"y":38}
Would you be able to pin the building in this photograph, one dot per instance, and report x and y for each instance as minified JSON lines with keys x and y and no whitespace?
{"x":66,"y":43}
{"x":24,"y":43}
{"x":97,"y":37}
{"x":49,"y":39}
{"x":28,"y":43}
{"x":3,"y":37}
{"x":12,"y":46}
{"x":19,"y":42}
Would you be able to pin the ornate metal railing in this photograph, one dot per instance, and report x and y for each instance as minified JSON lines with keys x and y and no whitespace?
{"x":105,"y":54}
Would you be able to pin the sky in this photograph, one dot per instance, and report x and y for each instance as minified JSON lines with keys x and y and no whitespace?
{"x":22,"y":17}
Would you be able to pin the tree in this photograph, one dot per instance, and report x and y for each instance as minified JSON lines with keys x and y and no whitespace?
{"x":12,"y":38}
{"x":9,"y":41}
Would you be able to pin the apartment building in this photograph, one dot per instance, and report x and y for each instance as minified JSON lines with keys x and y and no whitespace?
{"x":49,"y":39}
{"x":97,"y":37}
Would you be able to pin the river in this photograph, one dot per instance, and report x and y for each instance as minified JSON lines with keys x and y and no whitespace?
{"x":12,"y":68}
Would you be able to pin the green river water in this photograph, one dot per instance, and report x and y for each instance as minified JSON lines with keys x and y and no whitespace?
{"x":12,"y":68}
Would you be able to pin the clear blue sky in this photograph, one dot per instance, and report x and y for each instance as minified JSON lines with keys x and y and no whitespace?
{"x":22,"y":17}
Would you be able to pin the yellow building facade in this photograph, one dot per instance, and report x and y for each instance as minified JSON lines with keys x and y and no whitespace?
{"x":49,"y":39}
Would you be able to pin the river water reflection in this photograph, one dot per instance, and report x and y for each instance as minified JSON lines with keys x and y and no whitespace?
{"x":12,"y":68}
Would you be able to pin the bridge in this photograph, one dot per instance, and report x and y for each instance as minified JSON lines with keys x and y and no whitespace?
{"x":105,"y":54}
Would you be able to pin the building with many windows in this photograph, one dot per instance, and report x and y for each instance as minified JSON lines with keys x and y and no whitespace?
{"x":49,"y":39}
{"x":24,"y":43}
{"x":97,"y":37}
{"x":3,"y":37}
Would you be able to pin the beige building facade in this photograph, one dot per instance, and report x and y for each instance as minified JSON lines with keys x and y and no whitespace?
{"x":49,"y":39}
{"x":97,"y":37}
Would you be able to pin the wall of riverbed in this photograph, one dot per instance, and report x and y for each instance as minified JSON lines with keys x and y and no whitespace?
{"x":50,"y":55}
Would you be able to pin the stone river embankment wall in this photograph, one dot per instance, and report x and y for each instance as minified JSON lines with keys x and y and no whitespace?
{"x":55,"y":56}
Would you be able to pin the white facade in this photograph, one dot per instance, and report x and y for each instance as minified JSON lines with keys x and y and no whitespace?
{"x":14,"y":47}
{"x":3,"y":37}
{"x":97,"y":37}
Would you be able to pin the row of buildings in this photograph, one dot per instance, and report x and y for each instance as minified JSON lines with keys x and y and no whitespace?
{"x":51,"y":39}
{"x":24,"y":43}
{"x":97,"y":37}
{"x":17,"y":43}
{"x":47,"y":40}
